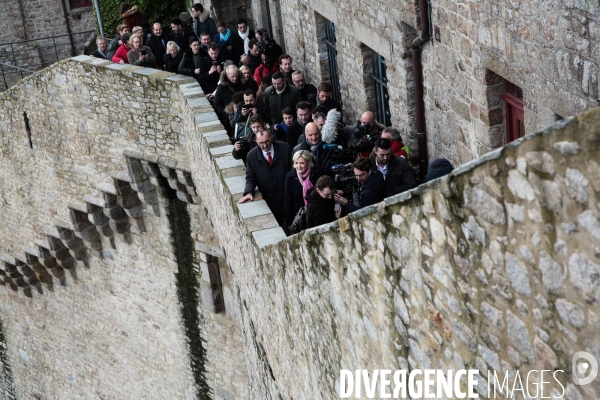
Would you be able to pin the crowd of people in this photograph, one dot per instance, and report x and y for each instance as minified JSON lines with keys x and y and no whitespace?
{"x":309,"y":167}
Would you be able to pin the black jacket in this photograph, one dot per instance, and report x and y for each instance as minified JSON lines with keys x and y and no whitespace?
{"x":293,"y":192}
{"x":307,"y":91}
{"x":263,"y":110}
{"x":373,"y":191}
{"x":399,"y":177}
{"x":330,"y":104}
{"x":209,"y":82}
{"x":319,"y":210}
{"x":277,"y":102}
{"x":243,"y":152}
{"x":158,"y":45}
{"x":323,"y":158}
{"x":293,"y":134}
{"x":172,"y":64}
{"x":225,"y":91}
{"x":270,"y":179}
{"x":237,"y":45}
{"x":97,"y":54}
{"x":189,"y":63}
{"x":183,"y":39}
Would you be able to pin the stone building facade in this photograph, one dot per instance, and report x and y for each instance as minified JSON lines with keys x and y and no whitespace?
{"x":24,"y":20}
{"x":128,"y":269}
{"x":549,"y":52}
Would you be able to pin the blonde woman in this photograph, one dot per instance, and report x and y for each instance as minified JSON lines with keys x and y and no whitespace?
{"x":298,"y":183}
{"x":247,"y":74}
{"x":173,"y":57}
{"x":139,"y":54}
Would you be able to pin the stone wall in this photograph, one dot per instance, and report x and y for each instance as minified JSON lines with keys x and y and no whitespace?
{"x":492,"y":267}
{"x":96,"y":241}
{"x":489,"y":268}
{"x":549,"y":49}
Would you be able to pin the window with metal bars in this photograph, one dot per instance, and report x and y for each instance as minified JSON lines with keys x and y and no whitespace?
{"x":380,"y":81}
{"x":332,"y":58}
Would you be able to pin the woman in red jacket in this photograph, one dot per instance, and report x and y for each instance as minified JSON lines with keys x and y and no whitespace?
{"x":268,"y":67}
{"x":120,"y":56}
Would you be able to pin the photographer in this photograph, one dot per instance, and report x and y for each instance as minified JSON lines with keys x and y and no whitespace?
{"x":366,"y":128}
{"x":321,"y":206}
{"x":251,"y":106}
{"x":396,"y":172}
{"x":210,"y":70}
{"x":243,"y":145}
{"x":371,"y":188}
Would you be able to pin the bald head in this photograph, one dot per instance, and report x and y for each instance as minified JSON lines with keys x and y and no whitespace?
{"x":367,"y":118}
{"x":312,"y":133}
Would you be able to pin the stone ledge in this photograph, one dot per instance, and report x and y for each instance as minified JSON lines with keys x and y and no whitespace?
{"x":236,"y":184}
{"x":253,"y":209}
{"x":220,"y":151}
{"x":268,"y":236}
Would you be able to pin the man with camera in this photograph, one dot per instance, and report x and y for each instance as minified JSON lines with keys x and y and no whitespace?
{"x":210,"y":70}
{"x":243,"y":145}
{"x":396,"y":172}
{"x":266,"y":168}
{"x":371,"y":188}
{"x":324,"y":155}
{"x":251,"y":106}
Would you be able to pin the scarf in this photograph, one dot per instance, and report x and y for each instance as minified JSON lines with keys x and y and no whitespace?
{"x":306,"y":183}
{"x":280,"y":91}
{"x":226,"y":36}
{"x":245,"y":39}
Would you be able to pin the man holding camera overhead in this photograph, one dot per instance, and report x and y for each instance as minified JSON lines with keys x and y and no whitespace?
{"x":210,"y":70}
{"x":251,"y":106}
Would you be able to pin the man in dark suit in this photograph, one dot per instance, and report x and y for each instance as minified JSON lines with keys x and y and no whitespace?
{"x":158,"y":44}
{"x":266,"y":168}
{"x":241,"y":40}
{"x":102,"y":46}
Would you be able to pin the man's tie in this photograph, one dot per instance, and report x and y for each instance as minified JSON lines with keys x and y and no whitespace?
{"x":269,"y":158}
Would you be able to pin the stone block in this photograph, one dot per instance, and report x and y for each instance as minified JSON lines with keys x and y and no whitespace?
{"x":146,"y":71}
{"x":82,"y":58}
{"x":115,"y":213}
{"x":181,"y":79}
{"x":207,"y":117}
{"x":268,"y":236}
{"x":236,"y":184}
{"x":149,"y":197}
{"x":198,"y":102}
{"x":129,"y":201}
{"x":185,"y":178}
{"x":135,"y":212}
{"x":253,"y":209}
{"x":226,"y":162}
{"x":261,"y":222}
{"x":143,"y":186}
{"x":461,"y":108}
{"x":185,"y":197}
{"x":221,"y":151}
{"x":217,"y":140}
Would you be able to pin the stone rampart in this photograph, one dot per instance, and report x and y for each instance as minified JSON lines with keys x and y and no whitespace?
{"x":492,"y":267}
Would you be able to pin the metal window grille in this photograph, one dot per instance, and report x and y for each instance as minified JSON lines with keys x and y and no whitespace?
{"x":380,"y":80}
{"x":332,"y":57}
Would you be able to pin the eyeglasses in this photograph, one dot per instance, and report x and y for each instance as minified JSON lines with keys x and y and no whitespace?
{"x":299,"y":80}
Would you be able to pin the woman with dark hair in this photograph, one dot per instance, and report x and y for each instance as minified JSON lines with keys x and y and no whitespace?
{"x":120,"y":56}
{"x":268,"y":66}
{"x":298,"y":183}
{"x":139,"y":54}
{"x":224,"y":40}
{"x":173,"y":57}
